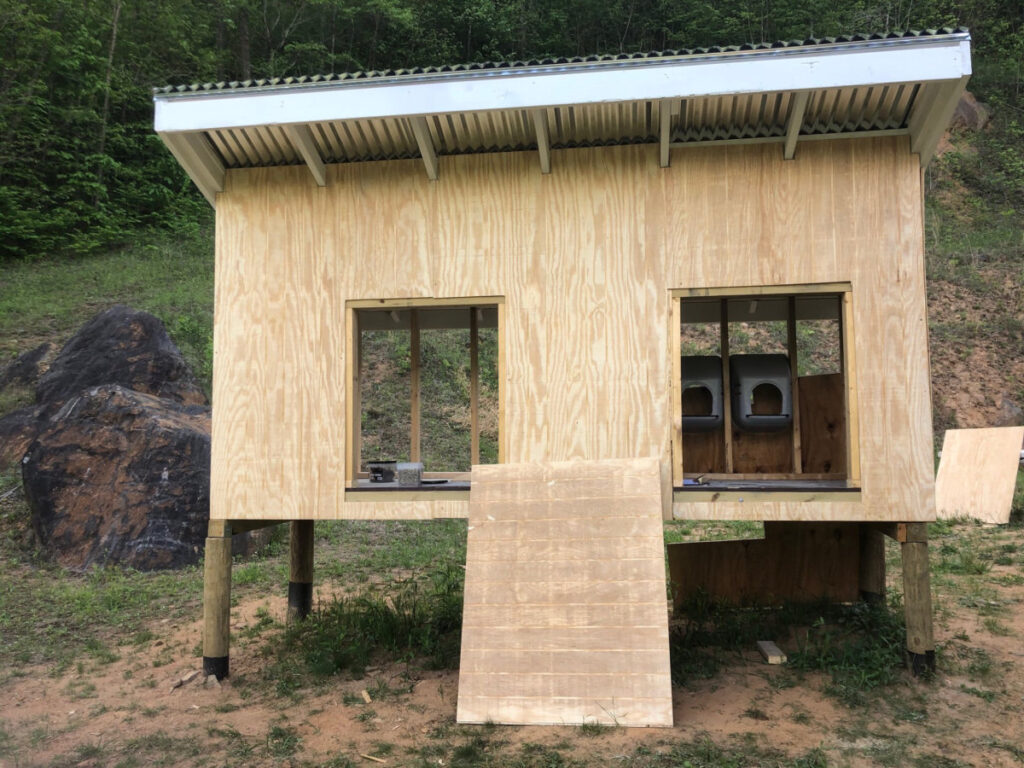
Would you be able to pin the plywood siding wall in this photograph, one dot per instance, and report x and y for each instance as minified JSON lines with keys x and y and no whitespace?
{"x":585,"y":258}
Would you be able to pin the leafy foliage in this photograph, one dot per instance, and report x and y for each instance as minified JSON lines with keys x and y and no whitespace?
{"x":80,"y":167}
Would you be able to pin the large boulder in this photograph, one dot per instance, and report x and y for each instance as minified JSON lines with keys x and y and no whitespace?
{"x":118,"y":476}
{"x":970,"y":114}
{"x":121,"y":346}
{"x":25,"y":369}
{"x":17,"y":383}
{"x":17,"y":431}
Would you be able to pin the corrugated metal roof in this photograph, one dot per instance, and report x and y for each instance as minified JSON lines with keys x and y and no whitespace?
{"x":719,"y":118}
{"x":860,"y":85}
{"x":560,"y":61}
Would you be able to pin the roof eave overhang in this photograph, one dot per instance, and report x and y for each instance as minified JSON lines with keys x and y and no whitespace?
{"x":182,"y":118}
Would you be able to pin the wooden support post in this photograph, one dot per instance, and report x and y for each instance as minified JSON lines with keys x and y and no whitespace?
{"x":872,"y":564}
{"x":726,"y":386}
{"x":917,"y":600}
{"x":502,"y":387}
{"x":849,"y":362}
{"x":474,"y":387}
{"x":300,"y":583}
{"x":414,"y":385}
{"x":217,"y":599}
{"x":354,"y":414}
{"x":675,"y":353}
{"x":794,"y":385}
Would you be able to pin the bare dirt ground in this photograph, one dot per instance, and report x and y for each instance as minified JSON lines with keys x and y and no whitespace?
{"x":128,"y":712}
{"x":977,"y":346}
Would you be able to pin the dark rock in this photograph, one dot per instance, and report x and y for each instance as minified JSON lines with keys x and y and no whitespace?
{"x":25,"y":369}
{"x":1010,"y":414}
{"x":17,"y":431}
{"x":121,"y":346}
{"x":117,"y":476}
{"x":970,"y":114}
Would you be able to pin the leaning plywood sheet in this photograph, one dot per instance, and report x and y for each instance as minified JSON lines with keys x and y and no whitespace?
{"x":565,"y":618}
{"x":977,"y":473}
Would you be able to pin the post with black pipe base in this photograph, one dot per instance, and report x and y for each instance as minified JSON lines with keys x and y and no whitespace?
{"x":300,"y":584}
{"x":917,"y":599}
{"x":217,"y":599}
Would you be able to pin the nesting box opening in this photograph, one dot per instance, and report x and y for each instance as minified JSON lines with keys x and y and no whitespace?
{"x":765,"y":395}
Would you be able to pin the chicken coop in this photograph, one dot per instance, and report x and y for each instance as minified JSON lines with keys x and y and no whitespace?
{"x":701,"y":274}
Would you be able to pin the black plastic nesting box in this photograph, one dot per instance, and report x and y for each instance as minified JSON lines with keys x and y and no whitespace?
{"x":762,"y":398}
{"x":702,"y":393}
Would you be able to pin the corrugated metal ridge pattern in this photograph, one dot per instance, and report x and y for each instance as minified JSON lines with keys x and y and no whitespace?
{"x":235,"y":85}
{"x":712,"y":118}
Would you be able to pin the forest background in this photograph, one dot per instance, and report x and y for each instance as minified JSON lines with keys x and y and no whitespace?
{"x":81,"y":169}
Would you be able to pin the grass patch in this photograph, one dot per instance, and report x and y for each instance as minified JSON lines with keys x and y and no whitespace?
{"x":282,"y":741}
{"x":593,"y":729}
{"x":860,"y":647}
{"x":385,"y":547}
{"x":51,"y":615}
{"x":159,"y":749}
{"x":404,"y":621}
{"x":169,"y":276}
{"x":740,"y":752}
{"x":678,"y":531}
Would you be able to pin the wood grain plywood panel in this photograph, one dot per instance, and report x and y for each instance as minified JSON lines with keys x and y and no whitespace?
{"x":383,"y":229}
{"x":978,"y":472}
{"x":800,"y":562}
{"x":585,"y":258}
{"x":278,"y":417}
{"x":569,"y":648}
{"x":486,"y":222}
{"x":822,"y":423}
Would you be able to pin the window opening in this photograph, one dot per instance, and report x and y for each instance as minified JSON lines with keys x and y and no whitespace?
{"x":764,"y":388}
{"x":427,"y":381}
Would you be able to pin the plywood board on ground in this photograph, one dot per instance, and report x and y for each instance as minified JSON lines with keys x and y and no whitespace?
{"x":565,"y":619}
{"x":977,"y":473}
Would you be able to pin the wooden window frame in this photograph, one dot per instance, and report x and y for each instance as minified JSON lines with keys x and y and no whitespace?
{"x":353,"y":365}
{"x":844,"y":292}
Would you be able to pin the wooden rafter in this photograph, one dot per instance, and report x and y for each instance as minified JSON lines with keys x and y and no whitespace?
{"x":426,"y":145}
{"x":200,"y":161}
{"x":301,"y":138}
{"x":932,"y":117}
{"x":664,"y":132}
{"x":540,"y":123}
{"x":794,"y":121}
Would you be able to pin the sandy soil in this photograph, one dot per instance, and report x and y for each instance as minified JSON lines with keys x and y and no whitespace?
{"x":98,"y":714}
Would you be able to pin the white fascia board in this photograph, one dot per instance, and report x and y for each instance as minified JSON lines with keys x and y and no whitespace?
{"x":907,"y":60}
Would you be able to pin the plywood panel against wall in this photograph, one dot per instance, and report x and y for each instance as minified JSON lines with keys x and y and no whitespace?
{"x":585,"y":258}
{"x":558,"y":645}
{"x":978,"y":472}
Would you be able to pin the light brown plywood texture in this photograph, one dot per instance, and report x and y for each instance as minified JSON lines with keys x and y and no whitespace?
{"x":565,"y":618}
{"x":586,"y":258}
{"x":794,"y":562}
{"x":977,"y":473}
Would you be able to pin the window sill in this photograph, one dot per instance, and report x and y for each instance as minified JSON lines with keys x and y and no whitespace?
{"x":721,"y":490}
{"x":375,"y":492}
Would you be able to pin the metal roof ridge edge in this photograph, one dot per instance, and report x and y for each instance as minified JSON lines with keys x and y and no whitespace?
{"x":325,"y":82}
